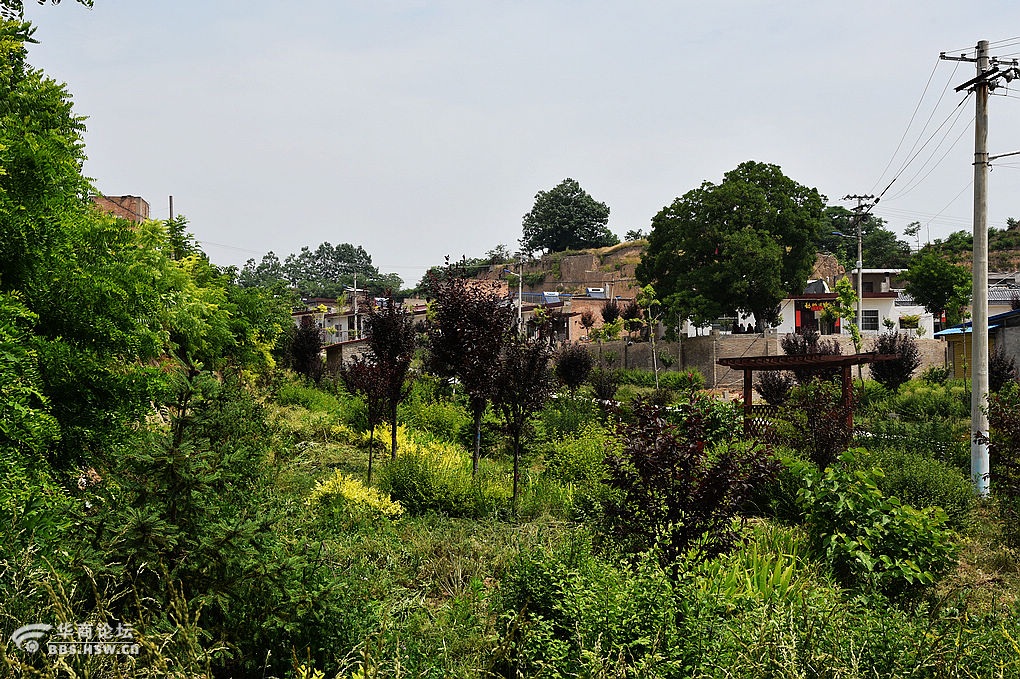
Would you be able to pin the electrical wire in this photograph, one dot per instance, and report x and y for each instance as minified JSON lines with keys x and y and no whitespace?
{"x":911,"y":159}
{"x":911,"y":184}
{"x":907,"y":129}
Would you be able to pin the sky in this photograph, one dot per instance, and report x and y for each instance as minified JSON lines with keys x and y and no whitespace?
{"x":423,"y":129}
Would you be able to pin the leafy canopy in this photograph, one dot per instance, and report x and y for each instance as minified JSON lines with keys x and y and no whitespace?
{"x":938,"y":285}
{"x":741,"y":245}
{"x":566,"y":218}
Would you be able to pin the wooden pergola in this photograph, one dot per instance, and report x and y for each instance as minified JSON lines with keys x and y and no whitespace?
{"x":801,"y":361}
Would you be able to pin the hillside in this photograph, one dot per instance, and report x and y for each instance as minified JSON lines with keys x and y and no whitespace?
{"x":611,"y":268}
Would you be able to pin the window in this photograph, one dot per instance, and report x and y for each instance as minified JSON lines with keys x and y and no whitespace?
{"x":868,"y":286}
{"x":869,"y":319}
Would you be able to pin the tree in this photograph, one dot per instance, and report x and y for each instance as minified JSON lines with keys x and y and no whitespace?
{"x":566,"y":218}
{"x":523,"y":384}
{"x":391,"y":338}
{"x":880,"y":247}
{"x":573,"y":365}
{"x":304,"y":350}
{"x":365,"y":376}
{"x":15,"y":9}
{"x":469,"y":322}
{"x":741,"y":245}
{"x":651,"y":306}
{"x":938,"y":286}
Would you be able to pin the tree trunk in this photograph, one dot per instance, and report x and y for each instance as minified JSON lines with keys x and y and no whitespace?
{"x":517,"y":473}
{"x":371,"y":445}
{"x":478,"y":443}
{"x":393,"y":434}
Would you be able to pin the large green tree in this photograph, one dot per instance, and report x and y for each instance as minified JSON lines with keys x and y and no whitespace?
{"x":938,"y":285}
{"x":741,"y":245}
{"x":881,"y":247}
{"x":566,"y":217}
{"x":326,"y":271}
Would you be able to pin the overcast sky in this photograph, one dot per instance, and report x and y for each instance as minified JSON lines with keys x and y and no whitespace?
{"x":421,"y":129}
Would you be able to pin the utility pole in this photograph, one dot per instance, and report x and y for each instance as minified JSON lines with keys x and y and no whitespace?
{"x":860,"y":212}
{"x":988,"y":74}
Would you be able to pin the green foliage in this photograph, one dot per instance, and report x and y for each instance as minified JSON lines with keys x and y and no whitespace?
{"x":871,"y":541}
{"x":563,"y":417}
{"x":938,"y":286}
{"x":742,"y":245}
{"x":920,"y":402}
{"x":327,"y":271}
{"x":936,"y":374}
{"x":811,"y":343}
{"x":341,"y":501}
{"x":566,"y":218}
{"x":686,"y":381}
{"x":881,"y":248}
{"x":434,"y":476}
{"x":425,"y":411}
{"x":920,"y":481}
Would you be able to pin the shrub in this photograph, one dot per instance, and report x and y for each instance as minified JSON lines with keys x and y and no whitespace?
{"x":580,"y":459}
{"x":434,"y":476}
{"x":892,"y":373}
{"x":774,"y":386}
{"x":675,"y":490}
{"x":1004,"y":448}
{"x":684,"y":380}
{"x":1001,"y":370}
{"x":604,"y":383}
{"x":871,"y":541}
{"x":573,"y":365}
{"x":819,"y":419}
{"x":936,"y":374}
{"x":811,"y":343}
{"x":921,"y":402}
{"x":779,"y":498}
{"x":341,"y":496}
{"x":423,"y":411}
{"x":562,"y":417}
{"x":920,"y":481}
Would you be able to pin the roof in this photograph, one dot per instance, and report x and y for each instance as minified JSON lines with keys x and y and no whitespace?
{"x":801,"y":360}
{"x":957,"y":330}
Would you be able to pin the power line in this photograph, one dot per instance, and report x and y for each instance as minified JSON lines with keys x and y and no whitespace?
{"x":911,"y":184}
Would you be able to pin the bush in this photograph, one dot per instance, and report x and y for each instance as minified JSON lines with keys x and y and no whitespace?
{"x":871,"y":541}
{"x":774,"y":386}
{"x":604,"y":383}
{"x":580,"y":459}
{"x":676,"y":491}
{"x":562,"y":417}
{"x":343,"y":499}
{"x":920,"y":481}
{"x":1001,"y":370}
{"x":424,"y":411}
{"x":811,"y":343}
{"x":573,"y":365}
{"x":1004,"y":448}
{"x":684,"y":380}
{"x":936,"y":374}
{"x":921,"y":402}
{"x":779,"y":498}
{"x":435,"y":476}
{"x":819,"y":419}
{"x":891,"y":374}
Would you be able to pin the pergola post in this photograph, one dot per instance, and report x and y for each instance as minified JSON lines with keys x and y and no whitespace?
{"x":747,"y":400}
{"x":848,"y":386}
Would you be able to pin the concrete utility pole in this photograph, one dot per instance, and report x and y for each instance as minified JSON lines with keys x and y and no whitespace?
{"x":988,"y":74}
{"x":860,"y":212}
